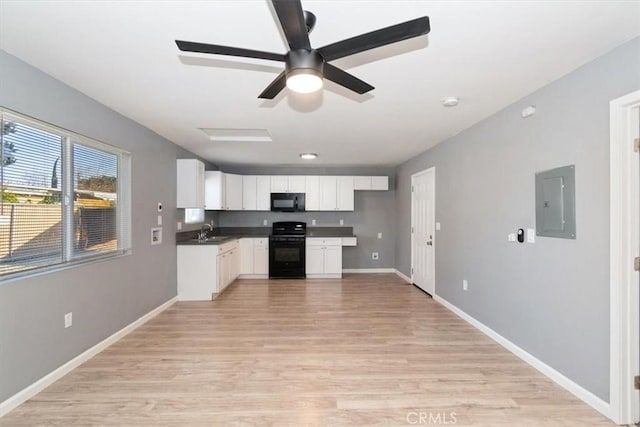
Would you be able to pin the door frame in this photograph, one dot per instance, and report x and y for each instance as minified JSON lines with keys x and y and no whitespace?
{"x":624,"y":244}
{"x":431,"y":170}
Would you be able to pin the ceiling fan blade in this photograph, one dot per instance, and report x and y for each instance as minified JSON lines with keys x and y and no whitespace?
{"x":274,"y":87}
{"x":374,"y":39}
{"x":227,"y":50}
{"x":345,"y":79}
{"x":292,"y":21}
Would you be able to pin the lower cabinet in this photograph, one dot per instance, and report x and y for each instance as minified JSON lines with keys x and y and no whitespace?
{"x":206,"y":270}
{"x":254,"y":257}
{"x":324,"y":257}
{"x":228,"y":266}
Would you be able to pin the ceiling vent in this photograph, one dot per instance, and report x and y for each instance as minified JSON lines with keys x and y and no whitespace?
{"x":237,"y":135}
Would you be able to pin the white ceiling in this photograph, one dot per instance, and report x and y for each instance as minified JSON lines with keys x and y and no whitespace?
{"x":489,"y":53}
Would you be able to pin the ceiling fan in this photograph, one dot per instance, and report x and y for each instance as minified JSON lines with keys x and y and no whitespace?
{"x":305,"y":67}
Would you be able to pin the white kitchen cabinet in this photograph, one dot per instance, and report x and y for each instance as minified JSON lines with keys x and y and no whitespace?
{"x":371,"y":183}
{"x":206,"y":270}
{"x":254,"y":257}
{"x":324,"y":257}
{"x":256,"y":193}
{"x":263,"y":193}
{"x":380,"y":183}
{"x":328,"y":193}
{"x":345,"y":196}
{"x":261,"y":257}
{"x":228,"y":264}
{"x":288,"y":184}
{"x":279,"y":183}
{"x":249,"y":193}
{"x":297,"y":184}
{"x":336,"y":193}
{"x":190,"y":184}
{"x":362,"y":183}
{"x":246,"y":256}
{"x":233,"y":192}
{"x":214,"y":190}
{"x":312,"y":193}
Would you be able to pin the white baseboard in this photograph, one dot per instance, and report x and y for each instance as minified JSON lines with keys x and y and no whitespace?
{"x":402,"y":276}
{"x":44,"y":382}
{"x":367,"y":270}
{"x":581,"y":393}
{"x":253,"y":276}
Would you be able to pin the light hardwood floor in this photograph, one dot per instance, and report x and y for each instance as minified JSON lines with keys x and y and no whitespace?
{"x":364,"y":350}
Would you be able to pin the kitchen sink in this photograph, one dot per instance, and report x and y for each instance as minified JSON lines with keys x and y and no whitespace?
{"x":210,"y":239}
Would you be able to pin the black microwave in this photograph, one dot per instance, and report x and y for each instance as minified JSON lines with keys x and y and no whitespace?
{"x":287,"y":202}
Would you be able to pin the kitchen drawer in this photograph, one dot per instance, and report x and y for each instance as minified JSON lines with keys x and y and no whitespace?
{"x":262,"y":242}
{"x":349,"y":241}
{"x":228,"y":246}
{"x":329,"y":241}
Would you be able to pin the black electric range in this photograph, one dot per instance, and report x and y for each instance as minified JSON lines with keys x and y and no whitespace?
{"x":287,"y":250}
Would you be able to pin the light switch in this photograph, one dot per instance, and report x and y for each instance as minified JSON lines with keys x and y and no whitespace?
{"x":379,"y":235}
{"x":342,"y":222}
{"x":313,"y":222}
{"x":531,"y":235}
{"x":159,"y":219}
{"x":437,"y":226}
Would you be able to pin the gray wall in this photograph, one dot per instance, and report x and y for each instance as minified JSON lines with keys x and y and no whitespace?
{"x":103,"y":296}
{"x":370,"y":215}
{"x":550,"y":298}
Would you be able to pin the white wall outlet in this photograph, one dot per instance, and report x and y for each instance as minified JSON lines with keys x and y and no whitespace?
{"x":342,"y":222}
{"x":264,"y":222}
{"x":511,"y":237}
{"x":159,"y":219}
{"x":313,"y":222}
{"x":375,"y":255}
{"x":379,"y":235}
{"x":531,"y":235}
{"x":68,"y":320}
{"x":465,"y":285}
{"x":179,"y":226}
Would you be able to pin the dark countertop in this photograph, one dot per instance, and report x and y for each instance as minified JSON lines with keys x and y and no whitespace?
{"x":226,"y":234}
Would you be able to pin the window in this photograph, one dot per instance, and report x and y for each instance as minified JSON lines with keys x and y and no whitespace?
{"x":64,"y":198}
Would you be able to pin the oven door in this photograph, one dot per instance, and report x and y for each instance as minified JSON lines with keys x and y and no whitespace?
{"x":287,"y":257}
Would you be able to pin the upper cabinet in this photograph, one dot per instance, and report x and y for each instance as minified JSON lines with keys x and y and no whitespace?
{"x":288,"y":184}
{"x":336,"y":193}
{"x":190,"y":184}
{"x":256,"y":192}
{"x":233,"y":192}
{"x":224,"y":191}
{"x":371,"y":182}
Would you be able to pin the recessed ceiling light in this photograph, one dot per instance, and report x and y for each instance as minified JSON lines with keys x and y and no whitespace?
{"x":450,"y":101}
{"x":308,"y":156}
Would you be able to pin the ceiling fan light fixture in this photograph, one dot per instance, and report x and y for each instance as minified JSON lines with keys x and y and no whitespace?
{"x":304,"y":81}
{"x":308,"y":156}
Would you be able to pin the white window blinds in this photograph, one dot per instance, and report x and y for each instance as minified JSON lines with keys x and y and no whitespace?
{"x":63,"y":198}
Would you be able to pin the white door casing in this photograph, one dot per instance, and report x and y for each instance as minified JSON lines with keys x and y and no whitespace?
{"x":624,"y":247}
{"x":423,"y":230}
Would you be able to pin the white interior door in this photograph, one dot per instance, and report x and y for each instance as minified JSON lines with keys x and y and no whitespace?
{"x":422,"y":230}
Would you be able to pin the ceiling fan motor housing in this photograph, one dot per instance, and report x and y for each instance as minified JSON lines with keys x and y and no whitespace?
{"x":306,"y":61}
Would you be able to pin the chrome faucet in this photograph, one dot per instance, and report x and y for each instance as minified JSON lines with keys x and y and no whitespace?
{"x":203,"y":234}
